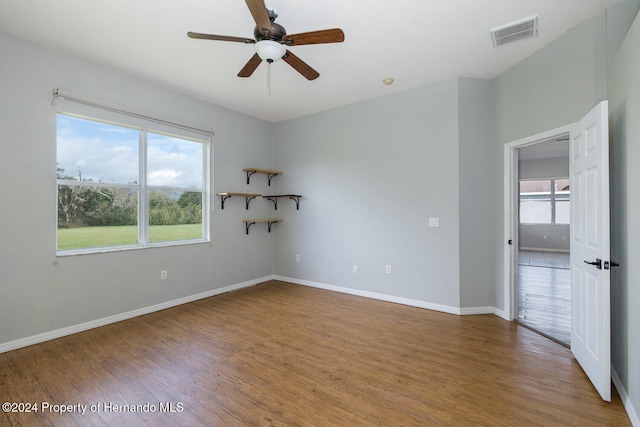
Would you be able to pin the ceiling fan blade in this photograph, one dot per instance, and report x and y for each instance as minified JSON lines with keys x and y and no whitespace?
{"x":300,"y":66}
{"x":220,"y":38}
{"x":260,"y":15}
{"x":250,"y":66}
{"x":334,"y":35}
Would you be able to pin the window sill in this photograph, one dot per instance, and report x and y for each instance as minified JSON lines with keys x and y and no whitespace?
{"x":110,"y":249}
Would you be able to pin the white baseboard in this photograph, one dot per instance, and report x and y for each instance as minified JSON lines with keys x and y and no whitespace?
{"x":391,"y":298}
{"x":624,"y":396}
{"x":46,"y":336}
{"x":566,"y":251}
{"x":501,"y":313}
{"x":467,"y":311}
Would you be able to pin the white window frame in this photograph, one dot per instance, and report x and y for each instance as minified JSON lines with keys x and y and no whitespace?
{"x":552,"y":199}
{"x":95,"y":113}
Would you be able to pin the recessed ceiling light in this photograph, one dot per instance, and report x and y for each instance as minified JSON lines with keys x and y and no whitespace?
{"x":387,"y":81}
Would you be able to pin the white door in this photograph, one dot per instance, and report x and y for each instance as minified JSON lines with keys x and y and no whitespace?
{"x":590,"y":263}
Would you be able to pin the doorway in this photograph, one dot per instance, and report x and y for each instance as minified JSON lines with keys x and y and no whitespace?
{"x":533,"y":276}
{"x":589,"y":240}
{"x":543,"y":272}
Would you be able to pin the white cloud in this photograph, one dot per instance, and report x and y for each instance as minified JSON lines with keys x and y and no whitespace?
{"x":167,"y":177}
{"x":110,"y":154}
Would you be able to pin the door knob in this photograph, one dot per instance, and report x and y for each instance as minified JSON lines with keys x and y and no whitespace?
{"x":597,"y":263}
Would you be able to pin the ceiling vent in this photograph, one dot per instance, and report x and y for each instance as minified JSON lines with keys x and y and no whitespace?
{"x":518,"y":30}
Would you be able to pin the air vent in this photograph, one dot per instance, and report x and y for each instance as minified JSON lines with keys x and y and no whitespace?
{"x":518,"y":30}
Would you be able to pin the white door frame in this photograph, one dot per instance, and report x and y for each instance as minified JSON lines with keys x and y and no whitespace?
{"x":511,"y":214}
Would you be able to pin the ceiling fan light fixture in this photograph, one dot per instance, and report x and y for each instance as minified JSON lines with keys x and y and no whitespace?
{"x":269,"y":50}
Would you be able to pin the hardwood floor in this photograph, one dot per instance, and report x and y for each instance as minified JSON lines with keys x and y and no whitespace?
{"x":279,"y":354}
{"x":544,"y":293}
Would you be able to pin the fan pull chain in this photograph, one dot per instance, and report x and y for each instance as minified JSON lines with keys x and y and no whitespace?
{"x":269,"y":76}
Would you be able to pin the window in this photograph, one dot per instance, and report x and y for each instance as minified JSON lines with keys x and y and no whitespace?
{"x":544,"y":201}
{"x":121,"y":187}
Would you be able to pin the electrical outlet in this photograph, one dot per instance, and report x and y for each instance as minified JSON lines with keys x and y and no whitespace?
{"x":388,"y":269}
{"x":297,"y":258}
{"x":355,"y":269}
{"x":163,"y":275}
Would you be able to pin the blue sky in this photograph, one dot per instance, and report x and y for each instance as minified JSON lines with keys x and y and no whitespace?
{"x":109,"y":153}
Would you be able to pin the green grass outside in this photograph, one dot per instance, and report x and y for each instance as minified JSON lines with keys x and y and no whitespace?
{"x":91,"y":237}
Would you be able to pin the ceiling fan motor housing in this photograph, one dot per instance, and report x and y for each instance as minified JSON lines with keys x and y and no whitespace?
{"x":277,"y":32}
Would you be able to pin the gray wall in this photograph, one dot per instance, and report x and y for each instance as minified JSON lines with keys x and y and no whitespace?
{"x":39,"y":292}
{"x":371,"y":175}
{"x":624,"y":109}
{"x":557,"y":167}
{"x":556,"y":87}
{"x":477,"y":235}
{"x":531,"y":236}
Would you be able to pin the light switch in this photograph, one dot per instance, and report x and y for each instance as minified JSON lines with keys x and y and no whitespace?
{"x":434,"y":222}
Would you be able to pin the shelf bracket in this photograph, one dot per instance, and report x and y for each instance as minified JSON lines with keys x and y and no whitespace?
{"x":248,"y":199}
{"x":270,"y":174}
{"x":270,"y":223}
{"x":249,"y":173}
{"x":297,"y":200}
{"x":293,"y":197}
{"x":247,"y":225}
{"x":274,"y":200}
{"x":222,"y":199}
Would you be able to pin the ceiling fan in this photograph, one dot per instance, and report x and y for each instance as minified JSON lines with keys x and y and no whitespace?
{"x":271,"y":40}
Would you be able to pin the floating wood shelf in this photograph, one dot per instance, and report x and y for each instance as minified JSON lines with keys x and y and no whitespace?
{"x":270,"y":173}
{"x":249,"y":222}
{"x":294,"y":197}
{"x":248,"y":197}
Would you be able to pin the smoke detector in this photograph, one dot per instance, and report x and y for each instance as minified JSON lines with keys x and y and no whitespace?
{"x":518,"y":30}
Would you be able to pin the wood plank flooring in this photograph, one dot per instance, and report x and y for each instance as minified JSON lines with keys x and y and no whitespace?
{"x":544,"y":293}
{"x":279,"y":354}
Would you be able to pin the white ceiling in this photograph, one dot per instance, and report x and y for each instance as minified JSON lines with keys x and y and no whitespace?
{"x":414,"y":41}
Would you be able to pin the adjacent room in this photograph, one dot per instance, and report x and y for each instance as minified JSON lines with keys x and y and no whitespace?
{"x":302,"y":213}
{"x":544,"y":268}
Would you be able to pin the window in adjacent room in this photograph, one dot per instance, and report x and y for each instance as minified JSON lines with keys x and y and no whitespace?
{"x":120,"y":187}
{"x":544,"y":201}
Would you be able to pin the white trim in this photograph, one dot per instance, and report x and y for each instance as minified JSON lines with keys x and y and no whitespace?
{"x":390,"y":298}
{"x":46,"y":336}
{"x":524,"y":248}
{"x":469,"y":311}
{"x":510,"y":207}
{"x":501,"y":313}
{"x":624,"y":397}
{"x":104,"y":105}
{"x":510,"y":231}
